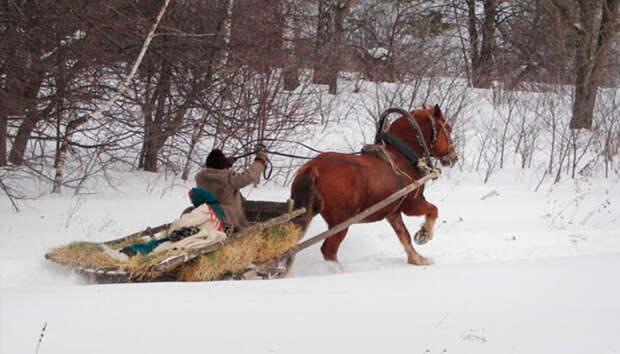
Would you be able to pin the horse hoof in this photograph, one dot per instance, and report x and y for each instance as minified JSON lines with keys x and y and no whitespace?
{"x":419,"y":260}
{"x":421,"y":237}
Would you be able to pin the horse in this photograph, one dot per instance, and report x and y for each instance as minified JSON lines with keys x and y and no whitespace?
{"x":339,"y":186}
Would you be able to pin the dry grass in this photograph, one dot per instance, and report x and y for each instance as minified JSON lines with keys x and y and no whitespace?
{"x":255,"y":249}
{"x":278,"y":239}
{"x":141,"y":267}
{"x":84,"y":254}
{"x":233,"y":258}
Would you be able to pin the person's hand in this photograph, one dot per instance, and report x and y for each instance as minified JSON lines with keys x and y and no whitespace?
{"x":261,"y":147}
{"x":262,"y":157}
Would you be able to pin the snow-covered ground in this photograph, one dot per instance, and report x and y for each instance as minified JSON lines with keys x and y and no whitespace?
{"x":515,"y":271}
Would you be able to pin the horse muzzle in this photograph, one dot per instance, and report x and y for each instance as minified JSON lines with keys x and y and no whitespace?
{"x":448,"y":159}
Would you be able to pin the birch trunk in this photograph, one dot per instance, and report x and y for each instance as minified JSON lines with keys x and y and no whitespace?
{"x":73,"y":125}
{"x":192,"y":145}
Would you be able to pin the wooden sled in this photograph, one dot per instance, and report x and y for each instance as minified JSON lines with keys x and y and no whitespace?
{"x":197,"y":264}
{"x":240,"y":256}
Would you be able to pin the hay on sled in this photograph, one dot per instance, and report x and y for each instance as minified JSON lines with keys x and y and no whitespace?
{"x":84,"y":254}
{"x":234,"y":257}
{"x":237,"y":256}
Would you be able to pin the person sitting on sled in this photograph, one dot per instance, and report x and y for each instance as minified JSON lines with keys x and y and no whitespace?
{"x":219,"y":179}
{"x":216,"y":203}
{"x":198,"y":227}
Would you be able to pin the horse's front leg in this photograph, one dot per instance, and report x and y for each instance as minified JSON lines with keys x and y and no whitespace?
{"x":417,"y":207}
{"x":413,"y":257}
{"x":427,"y":230}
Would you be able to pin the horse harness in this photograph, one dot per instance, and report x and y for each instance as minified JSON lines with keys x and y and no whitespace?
{"x":381,"y":152}
{"x":405,"y":150}
{"x":383,"y":138}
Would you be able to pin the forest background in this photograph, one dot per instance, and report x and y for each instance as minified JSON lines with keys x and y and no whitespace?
{"x":225,"y":73}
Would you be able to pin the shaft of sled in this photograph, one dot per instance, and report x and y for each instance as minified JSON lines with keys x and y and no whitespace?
{"x":367,"y":212}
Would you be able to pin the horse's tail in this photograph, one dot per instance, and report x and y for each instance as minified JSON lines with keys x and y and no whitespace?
{"x":305,"y":194}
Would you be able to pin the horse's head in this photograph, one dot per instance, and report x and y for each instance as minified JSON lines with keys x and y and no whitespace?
{"x":440,"y":143}
{"x":435,"y":133}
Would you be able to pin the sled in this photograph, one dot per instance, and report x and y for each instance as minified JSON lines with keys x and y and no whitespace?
{"x":242,"y":255}
{"x":266,"y":249}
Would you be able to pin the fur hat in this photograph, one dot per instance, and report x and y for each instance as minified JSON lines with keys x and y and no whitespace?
{"x":218,"y":160}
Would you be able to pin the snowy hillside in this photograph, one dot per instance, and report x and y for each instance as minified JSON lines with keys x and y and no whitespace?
{"x":521,"y":265}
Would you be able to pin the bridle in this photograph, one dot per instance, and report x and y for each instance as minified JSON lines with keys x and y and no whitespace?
{"x":442,"y":125}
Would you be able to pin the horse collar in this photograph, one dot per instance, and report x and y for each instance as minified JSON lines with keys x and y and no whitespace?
{"x":400,"y":146}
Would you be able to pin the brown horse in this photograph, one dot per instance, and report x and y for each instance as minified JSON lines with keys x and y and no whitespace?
{"x":338,"y":186}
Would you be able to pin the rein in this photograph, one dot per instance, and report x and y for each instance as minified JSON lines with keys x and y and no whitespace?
{"x":381,"y":136}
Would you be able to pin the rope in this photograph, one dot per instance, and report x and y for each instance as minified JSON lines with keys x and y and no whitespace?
{"x":381,"y":149}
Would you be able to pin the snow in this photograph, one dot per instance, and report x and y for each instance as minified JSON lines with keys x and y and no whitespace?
{"x":517,"y":268}
{"x":378,"y":53}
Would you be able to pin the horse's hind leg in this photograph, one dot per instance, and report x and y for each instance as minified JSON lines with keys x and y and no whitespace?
{"x":404,"y":237}
{"x":331,"y":244}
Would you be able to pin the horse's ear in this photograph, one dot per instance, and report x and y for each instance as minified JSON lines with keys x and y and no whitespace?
{"x":424,"y":105}
{"x":436,"y":111}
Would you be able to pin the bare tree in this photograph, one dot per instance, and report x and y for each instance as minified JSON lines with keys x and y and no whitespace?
{"x":330,"y":34}
{"x":482,"y":50}
{"x":578,"y":19}
{"x":289,"y":35}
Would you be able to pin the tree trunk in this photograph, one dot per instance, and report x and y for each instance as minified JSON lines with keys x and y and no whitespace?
{"x":289,"y":33}
{"x":4,"y":128}
{"x":32,"y":116}
{"x":485,"y":70}
{"x":61,"y":157}
{"x":18,"y":150}
{"x":585,"y":98}
{"x":324,"y":38}
{"x":473,"y":39}
{"x":151,"y":153}
{"x":226,"y":31}
{"x":329,"y":49}
{"x":192,"y":145}
{"x":591,"y":59}
{"x":482,"y":58}
{"x":62,"y":152}
{"x":153,"y":121}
